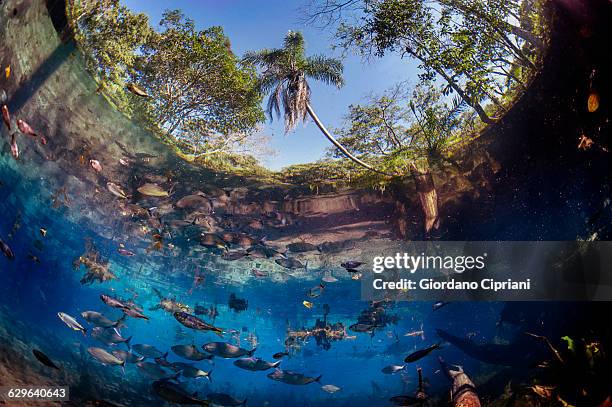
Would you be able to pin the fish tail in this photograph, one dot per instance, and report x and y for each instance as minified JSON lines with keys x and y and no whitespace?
{"x":276,"y":364}
{"x":244,"y":402}
{"x":165,"y":355}
{"x":318,"y":379}
{"x":84,"y":330}
{"x":209,"y":376}
{"x":123,"y":367}
{"x":251,"y":352}
{"x":127,"y":342}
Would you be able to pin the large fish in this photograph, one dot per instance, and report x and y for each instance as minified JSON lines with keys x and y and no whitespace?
{"x":71,"y":322}
{"x":194,"y":373}
{"x":148,"y":351}
{"x":129,"y":357}
{"x":226,"y":350}
{"x":193,"y":322}
{"x":113,"y":302}
{"x":225,"y":400}
{"x":100,"y":320}
{"x":174,"y":393}
{"x":255,"y":364}
{"x":293,"y":378}
{"x":421,"y":353}
{"x":190,"y":352}
{"x":109,"y":336}
{"x":106,"y":358}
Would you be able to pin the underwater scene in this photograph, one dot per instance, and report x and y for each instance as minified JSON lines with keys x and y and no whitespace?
{"x":156,"y":251}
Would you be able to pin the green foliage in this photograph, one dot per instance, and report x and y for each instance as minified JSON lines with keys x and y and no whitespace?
{"x":479,"y":49}
{"x":400,"y":128}
{"x":200,"y":90}
{"x":203,"y":98}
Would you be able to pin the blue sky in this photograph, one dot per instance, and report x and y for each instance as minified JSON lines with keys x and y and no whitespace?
{"x":252,"y":25}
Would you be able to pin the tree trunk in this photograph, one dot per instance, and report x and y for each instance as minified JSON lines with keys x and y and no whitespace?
{"x":335,"y":142}
{"x":428,"y":196}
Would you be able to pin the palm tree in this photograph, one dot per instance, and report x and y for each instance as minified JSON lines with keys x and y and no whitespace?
{"x":284,"y":76}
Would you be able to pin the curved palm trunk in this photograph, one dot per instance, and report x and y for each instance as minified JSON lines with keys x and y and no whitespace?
{"x":335,"y":142}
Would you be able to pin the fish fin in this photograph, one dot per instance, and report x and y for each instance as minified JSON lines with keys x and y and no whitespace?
{"x":175,"y":376}
{"x":243,"y":402}
{"x":120,"y":322}
{"x":276,"y":364}
{"x":251,"y":352}
{"x":306,"y":266}
{"x":127,"y":342}
{"x":318,"y":379}
{"x":165,"y":355}
{"x":209,"y":376}
{"x":219,"y":333}
{"x":84,"y":330}
{"x":123,"y":366}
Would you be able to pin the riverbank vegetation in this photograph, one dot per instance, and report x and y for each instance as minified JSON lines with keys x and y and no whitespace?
{"x":188,"y":87}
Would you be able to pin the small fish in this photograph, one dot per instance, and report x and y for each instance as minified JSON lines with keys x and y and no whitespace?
{"x":105,"y":358}
{"x":7,"y":72}
{"x":351,"y":265}
{"x":419,"y":354}
{"x":307,"y":304}
{"x":43,"y":140}
{"x":6,"y":249}
{"x":95,"y":164}
{"x":213,"y":241}
{"x":391,"y":369}
{"x":150,"y":189}
{"x":439,"y":304}
{"x":593,"y":102}
{"x":113,"y":302}
{"x":279,"y":355}
{"x":125,"y":252}
{"x":258,"y":273}
{"x":71,"y":322}
{"x":25,"y":128}
{"x":6,"y":117}
{"x":330,"y":388}
{"x":43,"y":232}
{"x":34,"y":258}
{"x":133,"y":88}
{"x":44,"y":359}
{"x":329,"y":279}
{"x":116,"y":190}
{"x":316,"y":291}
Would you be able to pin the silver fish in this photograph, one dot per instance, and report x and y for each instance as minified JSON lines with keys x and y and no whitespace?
{"x":296,"y":379}
{"x":109,"y":336}
{"x":129,"y":357}
{"x":154,"y":371}
{"x":105,"y":358}
{"x":100,"y":320}
{"x":392,"y":369}
{"x":71,"y":322}
{"x":148,"y":351}
{"x":194,"y":373}
{"x":190,"y":352}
